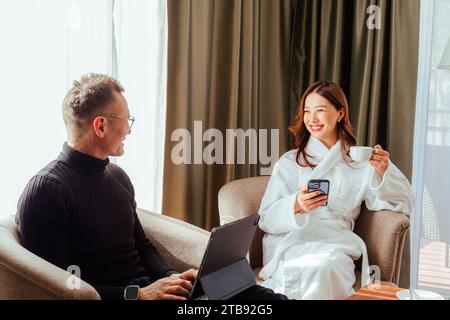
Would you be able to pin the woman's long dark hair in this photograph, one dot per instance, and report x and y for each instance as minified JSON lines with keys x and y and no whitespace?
{"x":300,"y":134}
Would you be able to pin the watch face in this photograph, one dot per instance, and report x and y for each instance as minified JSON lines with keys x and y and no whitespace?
{"x":132,"y":293}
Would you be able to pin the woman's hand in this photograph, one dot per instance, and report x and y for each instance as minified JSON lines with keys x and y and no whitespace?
{"x":309,"y":201}
{"x":380,"y":160}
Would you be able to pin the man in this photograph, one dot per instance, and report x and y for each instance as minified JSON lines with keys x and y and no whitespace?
{"x":80,"y":209}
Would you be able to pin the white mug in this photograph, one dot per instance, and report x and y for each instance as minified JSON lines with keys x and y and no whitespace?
{"x":360,"y":154}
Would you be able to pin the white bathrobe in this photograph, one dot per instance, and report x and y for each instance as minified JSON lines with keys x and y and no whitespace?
{"x":310,"y":255}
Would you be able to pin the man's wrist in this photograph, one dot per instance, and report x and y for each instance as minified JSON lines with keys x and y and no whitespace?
{"x":131,"y":292}
{"x":139,"y":294}
{"x":170,"y":272}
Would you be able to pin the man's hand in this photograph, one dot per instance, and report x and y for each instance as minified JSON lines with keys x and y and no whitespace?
{"x":172,"y":288}
{"x":177,"y":286}
{"x":190,"y":275}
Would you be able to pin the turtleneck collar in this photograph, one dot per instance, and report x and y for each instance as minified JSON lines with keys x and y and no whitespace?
{"x":82,"y":160}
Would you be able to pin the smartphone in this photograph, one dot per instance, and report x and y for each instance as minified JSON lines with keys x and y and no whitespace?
{"x":319,"y":184}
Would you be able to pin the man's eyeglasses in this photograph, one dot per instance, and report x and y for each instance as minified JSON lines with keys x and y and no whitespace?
{"x":130,"y":119}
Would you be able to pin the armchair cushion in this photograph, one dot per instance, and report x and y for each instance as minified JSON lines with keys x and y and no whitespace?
{"x":180,"y":243}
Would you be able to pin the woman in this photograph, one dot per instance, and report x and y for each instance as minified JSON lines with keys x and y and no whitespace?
{"x":309,"y":246}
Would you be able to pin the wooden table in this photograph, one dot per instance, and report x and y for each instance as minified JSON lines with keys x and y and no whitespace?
{"x":384,"y":292}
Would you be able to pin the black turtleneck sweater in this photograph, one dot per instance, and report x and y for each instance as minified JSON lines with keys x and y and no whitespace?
{"x":80,"y":210}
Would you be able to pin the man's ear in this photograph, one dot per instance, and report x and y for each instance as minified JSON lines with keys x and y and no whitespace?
{"x":99,"y":126}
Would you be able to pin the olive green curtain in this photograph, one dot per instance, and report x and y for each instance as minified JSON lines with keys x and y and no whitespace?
{"x":377,"y":69}
{"x":227,"y":67}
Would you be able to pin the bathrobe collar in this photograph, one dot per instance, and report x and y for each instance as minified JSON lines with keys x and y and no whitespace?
{"x":324,"y":158}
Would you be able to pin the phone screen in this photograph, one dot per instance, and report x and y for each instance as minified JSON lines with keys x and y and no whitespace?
{"x":323,"y":185}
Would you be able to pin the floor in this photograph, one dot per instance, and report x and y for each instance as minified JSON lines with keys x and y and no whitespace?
{"x":434,"y":271}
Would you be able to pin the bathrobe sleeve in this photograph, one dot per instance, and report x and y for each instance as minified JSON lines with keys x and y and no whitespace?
{"x":392,"y":192}
{"x":277,"y":206}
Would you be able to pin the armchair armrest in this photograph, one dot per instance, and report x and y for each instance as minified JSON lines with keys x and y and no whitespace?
{"x":384,"y":233}
{"x":24,"y":275}
{"x":180,"y":243}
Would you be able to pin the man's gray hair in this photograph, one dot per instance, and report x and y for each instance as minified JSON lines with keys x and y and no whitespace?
{"x":87,"y":99}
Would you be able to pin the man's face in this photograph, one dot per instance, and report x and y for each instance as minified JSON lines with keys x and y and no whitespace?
{"x":117,"y":126}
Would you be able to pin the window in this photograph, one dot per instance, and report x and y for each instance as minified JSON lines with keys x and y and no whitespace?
{"x":48,"y":44}
{"x":431,"y":178}
{"x":141,"y":40}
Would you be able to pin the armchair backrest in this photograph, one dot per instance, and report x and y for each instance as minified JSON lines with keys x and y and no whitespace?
{"x":239,"y":199}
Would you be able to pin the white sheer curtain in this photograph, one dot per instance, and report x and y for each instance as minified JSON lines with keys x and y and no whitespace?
{"x":141,"y":41}
{"x":431,"y":177}
{"x":45,"y":46}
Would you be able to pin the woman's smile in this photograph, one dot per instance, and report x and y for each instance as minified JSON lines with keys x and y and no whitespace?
{"x":316,"y":127}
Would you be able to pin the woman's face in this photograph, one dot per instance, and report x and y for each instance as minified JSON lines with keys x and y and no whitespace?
{"x":321,"y":117}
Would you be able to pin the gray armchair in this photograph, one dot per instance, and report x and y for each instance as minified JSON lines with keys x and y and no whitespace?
{"x":23,"y":275}
{"x":383,"y":231}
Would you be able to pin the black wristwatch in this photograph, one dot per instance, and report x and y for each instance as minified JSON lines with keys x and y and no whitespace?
{"x":131,"y":293}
